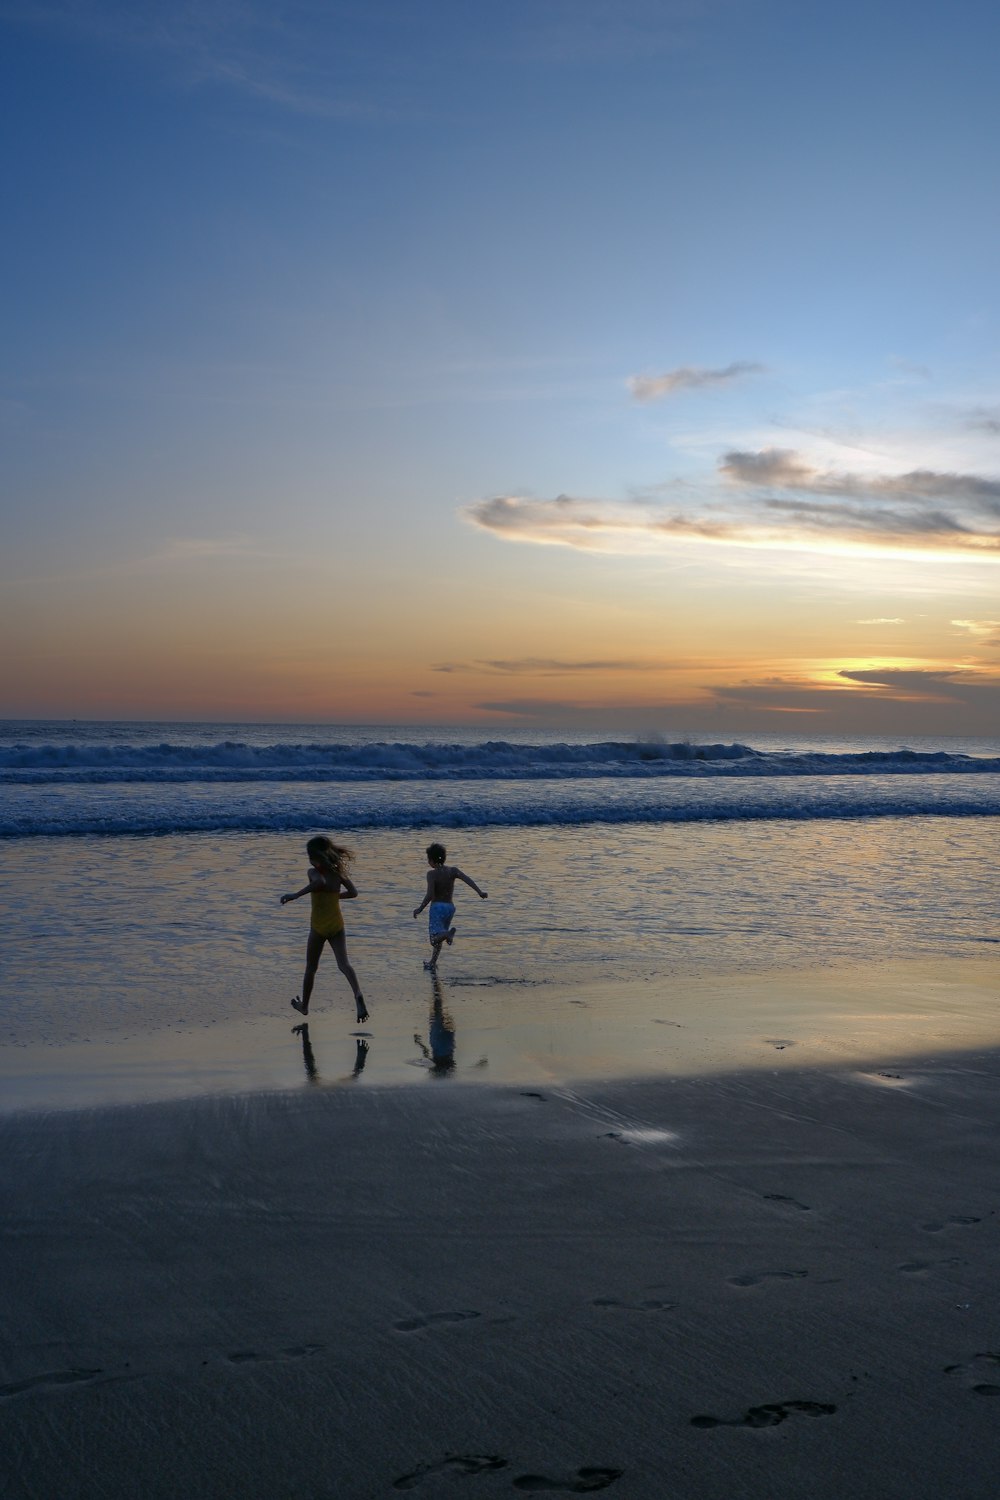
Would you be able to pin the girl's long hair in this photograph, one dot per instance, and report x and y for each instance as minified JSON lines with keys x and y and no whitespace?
{"x":326,"y":855}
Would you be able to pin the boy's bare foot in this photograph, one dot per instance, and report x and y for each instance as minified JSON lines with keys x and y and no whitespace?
{"x":359,"y":1001}
{"x":303,"y":1010}
{"x":449,"y":936}
{"x":430,"y":963}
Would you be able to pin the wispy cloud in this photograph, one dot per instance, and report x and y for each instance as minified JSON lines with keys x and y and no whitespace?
{"x":290,"y":56}
{"x":783,"y":468}
{"x":984,"y":419}
{"x":687,"y":378}
{"x":930,"y":685}
{"x":909,"y":367}
{"x":771,"y":498}
{"x":373,"y":60}
{"x":983,"y":632}
{"x":179,"y":554}
{"x":883,"y":620}
{"x":542,"y":666}
{"x":977,"y":627}
{"x":886,"y":698}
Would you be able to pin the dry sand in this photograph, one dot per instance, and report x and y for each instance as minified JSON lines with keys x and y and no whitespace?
{"x":774,"y":1284}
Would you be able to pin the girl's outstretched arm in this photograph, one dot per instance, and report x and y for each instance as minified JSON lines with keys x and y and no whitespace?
{"x":294,"y":895}
{"x":348,"y":890}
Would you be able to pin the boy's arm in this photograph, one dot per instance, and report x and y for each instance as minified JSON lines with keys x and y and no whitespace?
{"x":427,"y":895}
{"x":461,"y":875}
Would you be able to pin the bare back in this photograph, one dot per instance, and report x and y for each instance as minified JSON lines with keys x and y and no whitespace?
{"x":441,"y":881}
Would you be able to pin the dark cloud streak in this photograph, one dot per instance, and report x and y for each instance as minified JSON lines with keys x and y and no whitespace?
{"x":687,"y":378}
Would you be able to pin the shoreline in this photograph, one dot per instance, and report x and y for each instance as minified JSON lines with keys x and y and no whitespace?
{"x":768,"y":1284}
{"x":505,"y":1034}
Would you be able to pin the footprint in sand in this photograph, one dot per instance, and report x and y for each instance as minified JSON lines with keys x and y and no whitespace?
{"x":586,"y":1482}
{"x":53,"y":1379}
{"x":784,"y":1198}
{"x":648,"y":1306}
{"x":769,"y":1415}
{"x":250,"y":1356}
{"x":413,"y":1325}
{"x":455,"y":1463}
{"x":979,"y":1365}
{"x":956,"y":1221}
{"x":918,"y":1267}
{"x":528,"y":1094}
{"x":778,"y":1043}
{"x":755,"y":1278}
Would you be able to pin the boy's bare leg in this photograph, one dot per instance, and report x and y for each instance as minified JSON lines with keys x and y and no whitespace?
{"x":436,"y":943}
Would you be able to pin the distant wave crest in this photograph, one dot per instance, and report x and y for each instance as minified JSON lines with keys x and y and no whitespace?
{"x":495,"y":760}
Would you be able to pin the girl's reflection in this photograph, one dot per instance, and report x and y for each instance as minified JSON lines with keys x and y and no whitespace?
{"x":309,"y":1057}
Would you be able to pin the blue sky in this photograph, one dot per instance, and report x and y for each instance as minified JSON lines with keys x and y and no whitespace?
{"x":317,"y":305}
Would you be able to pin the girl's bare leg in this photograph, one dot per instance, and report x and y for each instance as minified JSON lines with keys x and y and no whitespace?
{"x":314,"y":947}
{"x":339,"y":945}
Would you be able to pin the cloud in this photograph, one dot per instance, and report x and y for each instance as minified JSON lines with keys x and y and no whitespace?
{"x":287,"y":56}
{"x":977,"y":628}
{"x":687,"y":378}
{"x":884,"y":620}
{"x":770,"y":498}
{"x":909,"y":367}
{"x":783,"y":468}
{"x":984,"y":420}
{"x":543,"y":666}
{"x":882,"y":700}
{"x":625,"y":717}
{"x":932,"y":685}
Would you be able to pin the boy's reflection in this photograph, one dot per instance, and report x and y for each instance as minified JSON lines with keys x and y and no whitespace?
{"x":309,"y":1058}
{"x":440,"y":1055}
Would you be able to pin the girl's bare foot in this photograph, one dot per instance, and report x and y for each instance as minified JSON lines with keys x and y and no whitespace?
{"x":359,"y":1001}
{"x":303,"y":1010}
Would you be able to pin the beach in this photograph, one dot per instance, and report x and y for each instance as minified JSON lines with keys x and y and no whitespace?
{"x":765,"y":1283}
{"x":678,"y":1178}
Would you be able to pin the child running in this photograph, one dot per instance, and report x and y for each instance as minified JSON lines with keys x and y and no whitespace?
{"x":327,"y":885}
{"x":440,"y":889}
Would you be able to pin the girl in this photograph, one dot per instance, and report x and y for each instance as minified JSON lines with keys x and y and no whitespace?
{"x":327,"y":885}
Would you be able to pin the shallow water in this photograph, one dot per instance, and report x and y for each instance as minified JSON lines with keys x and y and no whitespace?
{"x":164,"y":963}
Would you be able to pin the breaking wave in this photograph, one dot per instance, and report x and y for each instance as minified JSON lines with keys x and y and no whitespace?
{"x":493,"y":760}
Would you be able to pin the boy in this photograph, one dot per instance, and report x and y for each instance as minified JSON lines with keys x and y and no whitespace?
{"x":440,"y":889}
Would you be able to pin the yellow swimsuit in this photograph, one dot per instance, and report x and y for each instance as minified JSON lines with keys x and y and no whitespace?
{"x":327,"y":920}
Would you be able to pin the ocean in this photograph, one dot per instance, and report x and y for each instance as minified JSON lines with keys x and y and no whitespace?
{"x":145,"y":951}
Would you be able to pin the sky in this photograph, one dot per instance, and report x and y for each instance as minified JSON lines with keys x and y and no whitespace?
{"x":594,"y":363}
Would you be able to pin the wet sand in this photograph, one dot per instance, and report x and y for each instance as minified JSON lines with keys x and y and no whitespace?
{"x":513,"y":1032}
{"x":769,"y":1281}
